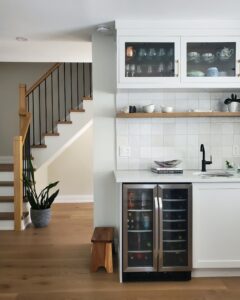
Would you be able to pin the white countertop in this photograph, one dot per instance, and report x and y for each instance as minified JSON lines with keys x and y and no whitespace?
{"x":187,"y":176}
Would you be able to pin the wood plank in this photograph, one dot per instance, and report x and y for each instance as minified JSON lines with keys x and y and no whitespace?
{"x":179,"y":115}
{"x":6,"y":183}
{"x":6,"y":167}
{"x":51,"y":134}
{"x":8,"y":216}
{"x":18,"y":186}
{"x":102,"y":234}
{"x":64,"y":122}
{"x":54,"y":263}
{"x":77,"y":110}
{"x":6,"y":199}
{"x":86,"y":98}
{"x":39,"y":146}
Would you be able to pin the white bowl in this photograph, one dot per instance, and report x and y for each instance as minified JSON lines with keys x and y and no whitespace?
{"x":149,"y":108}
{"x":167,"y":109}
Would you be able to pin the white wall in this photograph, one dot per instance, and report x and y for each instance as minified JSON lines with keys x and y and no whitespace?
{"x":45,"y":51}
{"x":104,"y":85}
{"x":11,"y":75}
{"x":177,"y":138}
{"x":74,"y":168}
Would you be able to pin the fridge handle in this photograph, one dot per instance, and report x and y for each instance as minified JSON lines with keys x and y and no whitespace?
{"x":156,"y":212}
{"x":160,"y":232}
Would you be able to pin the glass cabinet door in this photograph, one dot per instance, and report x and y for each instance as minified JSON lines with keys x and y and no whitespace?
{"x":210,"y":60}
{"x":139,"y":245}
{"x":148,"y":60}
{"x":175,"y":224}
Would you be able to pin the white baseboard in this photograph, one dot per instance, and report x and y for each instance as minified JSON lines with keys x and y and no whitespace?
{"x":6,"y":159}
{"x":74,"y":199}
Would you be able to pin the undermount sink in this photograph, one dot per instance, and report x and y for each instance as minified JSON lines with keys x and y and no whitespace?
{"x":218,"y":173}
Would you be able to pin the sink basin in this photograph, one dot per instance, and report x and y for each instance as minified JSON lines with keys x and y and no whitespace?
{"x":214,"y":174}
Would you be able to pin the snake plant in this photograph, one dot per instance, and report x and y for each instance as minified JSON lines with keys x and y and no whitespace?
{"x":44,"y":199}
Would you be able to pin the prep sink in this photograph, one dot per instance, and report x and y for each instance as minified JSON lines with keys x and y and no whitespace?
{"x":218,"y":173}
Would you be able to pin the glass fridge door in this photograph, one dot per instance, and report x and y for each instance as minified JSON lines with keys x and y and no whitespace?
{"x":175,"y":227}
{"x":140,"y":211}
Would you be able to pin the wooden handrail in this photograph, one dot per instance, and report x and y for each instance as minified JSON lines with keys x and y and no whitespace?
{"x":42,"y":78}
{"x":25,"y":125}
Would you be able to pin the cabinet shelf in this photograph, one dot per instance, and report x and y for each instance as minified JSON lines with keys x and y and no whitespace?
{"x":177,"y":115}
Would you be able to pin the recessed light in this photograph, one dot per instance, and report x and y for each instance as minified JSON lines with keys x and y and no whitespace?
{"x":103,"y":29}
{"x":21,"y":39}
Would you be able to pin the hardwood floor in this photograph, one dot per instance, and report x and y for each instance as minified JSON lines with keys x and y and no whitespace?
{"x":53,"y":263}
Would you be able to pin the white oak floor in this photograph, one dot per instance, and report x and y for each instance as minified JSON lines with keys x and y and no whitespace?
{"x":53,"y":263}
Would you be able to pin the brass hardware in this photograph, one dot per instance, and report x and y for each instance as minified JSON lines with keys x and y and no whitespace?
{"x":177,"y":73}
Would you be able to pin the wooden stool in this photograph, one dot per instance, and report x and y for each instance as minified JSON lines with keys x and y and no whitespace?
{"x":102,"y":240}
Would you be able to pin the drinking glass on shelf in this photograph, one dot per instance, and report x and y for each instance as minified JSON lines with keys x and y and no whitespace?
{"x":127,"y":70}
{"x":151,"y":53}
{"x":149,"y":70}
{"x":160,"y":68}
{"x":142,"y":53}
{"x":139,"y":69}
{"x":132,"y":69}
{"x":161,"y":52}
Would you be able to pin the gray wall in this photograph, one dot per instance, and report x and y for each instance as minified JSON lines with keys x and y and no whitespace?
{"x":104,"y":76}
{"x":11,"y":75}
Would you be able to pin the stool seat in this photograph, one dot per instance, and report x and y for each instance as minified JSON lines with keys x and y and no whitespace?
{"x":102,"y":249}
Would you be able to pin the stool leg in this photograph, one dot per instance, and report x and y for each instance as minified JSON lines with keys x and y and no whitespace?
{"x":108,"y":258}
{"x":98,"y":256}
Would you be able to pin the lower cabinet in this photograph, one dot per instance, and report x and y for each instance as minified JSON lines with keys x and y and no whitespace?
{"x":216,"y":225}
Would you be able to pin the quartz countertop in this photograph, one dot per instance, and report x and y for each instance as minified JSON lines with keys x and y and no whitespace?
{"x":187,"y":176}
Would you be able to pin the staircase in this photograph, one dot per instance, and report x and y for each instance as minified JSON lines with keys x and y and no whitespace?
{"x":53,"y":112}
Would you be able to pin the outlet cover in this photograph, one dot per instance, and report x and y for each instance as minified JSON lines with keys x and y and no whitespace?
{"x":124,"y":151}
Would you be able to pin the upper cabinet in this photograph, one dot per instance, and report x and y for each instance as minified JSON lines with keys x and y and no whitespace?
{"x":179,"y":58}
{"x":148,"y":61}
{"x":210,"y":60}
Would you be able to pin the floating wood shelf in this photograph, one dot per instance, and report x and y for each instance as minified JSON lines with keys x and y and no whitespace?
{"x":179,"y":114}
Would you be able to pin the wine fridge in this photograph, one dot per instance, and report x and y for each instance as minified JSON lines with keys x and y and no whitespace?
{"x":157,"y":232}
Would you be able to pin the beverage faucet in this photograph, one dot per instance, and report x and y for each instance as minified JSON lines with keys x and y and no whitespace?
{"x":205,"y":162}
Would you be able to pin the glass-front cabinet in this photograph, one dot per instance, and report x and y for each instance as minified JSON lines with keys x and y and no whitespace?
{"x":148,"y":60}
{"x":209,"y":60}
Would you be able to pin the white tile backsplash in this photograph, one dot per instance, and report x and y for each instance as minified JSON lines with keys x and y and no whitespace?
{"x":177,"y":138}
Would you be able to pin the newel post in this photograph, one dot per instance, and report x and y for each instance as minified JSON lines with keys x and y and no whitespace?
{"x":22,"y":103}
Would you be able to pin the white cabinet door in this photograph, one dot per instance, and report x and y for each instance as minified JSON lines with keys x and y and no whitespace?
{"x":210,"y":60}
{"x":148,"y":62}
{"x":216,"y":225}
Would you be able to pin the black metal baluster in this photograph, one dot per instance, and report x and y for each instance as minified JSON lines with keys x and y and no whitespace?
{"x":59,"y":112}
{"x":84,"y":90}
{"x":33,"y":118}
{"x":40,"y":118}
{"x":71,"y":85}
{"x":64,"y":84}
{"x":46,"y":113}
{"x":78,"y":104}
{"x":52,"y":101}
{"x":90,"y":78}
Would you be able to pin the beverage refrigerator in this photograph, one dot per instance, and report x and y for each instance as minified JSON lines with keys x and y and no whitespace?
{"x":157,"y":232}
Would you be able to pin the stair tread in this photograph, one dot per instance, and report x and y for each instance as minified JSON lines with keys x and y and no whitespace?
{"x":9,"y":216}
{"x":77,"y":110}
{"x":87,"y":98}
{"x":51,"y":134}
{"x":64,"y":122}
{"x":6,"y":183}
{"x":6,"y":198}
{"x":6,"y":167}
{"x":39,"y":146}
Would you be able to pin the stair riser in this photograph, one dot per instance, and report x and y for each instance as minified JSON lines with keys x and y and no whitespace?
{"x":9,"y":207}
{"x":6,"y":191}
{"x":6,"y":176}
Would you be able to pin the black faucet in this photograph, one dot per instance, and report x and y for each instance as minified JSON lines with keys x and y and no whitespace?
{"x":205,"y":162}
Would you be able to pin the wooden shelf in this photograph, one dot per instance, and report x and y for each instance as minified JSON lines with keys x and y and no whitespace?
{"x":178,"y":115}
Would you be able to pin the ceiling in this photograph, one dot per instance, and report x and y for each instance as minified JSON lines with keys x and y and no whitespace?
{"x":75,"y":20}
